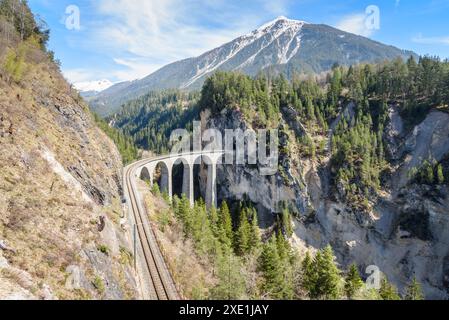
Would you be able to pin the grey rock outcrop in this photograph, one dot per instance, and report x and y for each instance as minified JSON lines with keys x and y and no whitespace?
{"x":245,"y":181}
{"x":405,"y":235}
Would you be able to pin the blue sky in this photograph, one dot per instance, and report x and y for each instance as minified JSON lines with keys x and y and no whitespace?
{"x":123,"y":40}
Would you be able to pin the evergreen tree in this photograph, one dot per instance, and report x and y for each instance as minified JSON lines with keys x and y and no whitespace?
{"x":184,"y":214}
{"x":283,"y":247}
{"x":327,"y":281}
{"x":414,"y":291}
{"x":308,"y":273}
{"x":231,"y":283}
{"x":440,"y":174}
{"x":214,"y":221}
{"x":242,"y":235}
{"x":388,"y":291}
{"x":274,"y":283}
{"x":335,"y":86}
{"x":286,"y":259}
{"x":430,"y":177}
{"x":310,"y":109}
{"x":286,"y":223}
{"x":226,"y":220}
{"x":201,"y":230}
{"x":255,"y":239}
{"x":353,"y":282}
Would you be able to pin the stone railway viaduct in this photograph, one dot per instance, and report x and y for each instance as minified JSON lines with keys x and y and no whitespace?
{"x":147,"y":170}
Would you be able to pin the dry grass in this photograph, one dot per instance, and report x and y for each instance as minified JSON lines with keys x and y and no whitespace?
{"x":42,"y":216}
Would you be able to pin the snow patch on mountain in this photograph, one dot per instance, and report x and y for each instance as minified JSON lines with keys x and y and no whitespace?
{"x":286,"y":24}
{"x":216,"y":63}
{"x":272,"y":31}
{"x":284,"y":56}
{"x":96,"y":86}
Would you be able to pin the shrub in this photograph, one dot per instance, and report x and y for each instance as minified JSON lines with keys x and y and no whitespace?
{"x":103,"y":249}
{"x":155,"y":190}
{"x":15,"y":65}
{"x":164,"y":220}
{"x":126,"y":257}
{"x":98,"y":283}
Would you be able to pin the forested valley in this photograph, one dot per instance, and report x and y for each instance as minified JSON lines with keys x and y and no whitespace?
{"x":354,"y":145}
{"x":357,"y":149}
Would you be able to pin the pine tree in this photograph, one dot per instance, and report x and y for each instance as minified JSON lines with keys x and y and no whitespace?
{"x":203,"y":232}
{"x":286,"y":222}
{"x":335,"y":86}
{"x":430,"y":177}
{"x":226,"y":220}
{"x":242,"y":235}
{"x":414,"y":291}
{"x":310,"y":109}
{"x":274,"y":283}
{"x":214,"y":221}
{"x":255,"y":239}
{"x":308,"y":273}
{"x":353,"y":282}
{"x":283,"y":247}
{"x":327,"y":281}
{"x":231,"y":283}
{"x":388,"y":291}
{"x":184,"y":213}
{"x":286,"y":257}
{"x":440,"y":174}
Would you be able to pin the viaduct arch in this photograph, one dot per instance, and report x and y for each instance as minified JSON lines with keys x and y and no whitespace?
{"x":166,"y":164}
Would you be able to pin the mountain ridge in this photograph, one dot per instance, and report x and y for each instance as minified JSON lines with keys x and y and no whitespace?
{"x":280,"y":46}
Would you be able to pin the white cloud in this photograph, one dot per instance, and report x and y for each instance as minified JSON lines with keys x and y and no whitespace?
{"x":158,"y":30}
{"x":135,"y":38}
{"x":355,"y":23}
{"x":134,"y":69}
{"x":431,"y":40}
{"x":81,"y":76}
{"x":279,"y":7}
{"x":140,"y":36}
{"x":78,"y":75}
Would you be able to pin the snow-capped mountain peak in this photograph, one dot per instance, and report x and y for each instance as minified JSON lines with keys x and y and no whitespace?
{"x":283,"y":21}
{"x":279,"y":46}
{"x":96,"y":86}
{"x":275,"y":42}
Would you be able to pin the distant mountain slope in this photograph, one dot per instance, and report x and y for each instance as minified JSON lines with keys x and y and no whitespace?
{"x":282,"y":45}
{"x":97,"y":86}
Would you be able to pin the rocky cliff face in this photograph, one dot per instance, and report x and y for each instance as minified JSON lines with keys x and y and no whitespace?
{"x":238,"y":182}
{"x":405,"y":235}
{"x":60,"y":187}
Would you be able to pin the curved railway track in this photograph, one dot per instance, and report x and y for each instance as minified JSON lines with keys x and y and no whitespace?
{"x":162,"y":286}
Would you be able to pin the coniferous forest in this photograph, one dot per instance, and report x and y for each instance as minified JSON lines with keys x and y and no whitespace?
{"x":250,"y":265}
{"x":358,"y":154}
{"x":359,"y":159}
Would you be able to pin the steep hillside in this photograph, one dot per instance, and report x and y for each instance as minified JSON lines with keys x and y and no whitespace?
{"x":282,"y":45}
{"x":60,"y":180}
{"x":150,"y":119}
